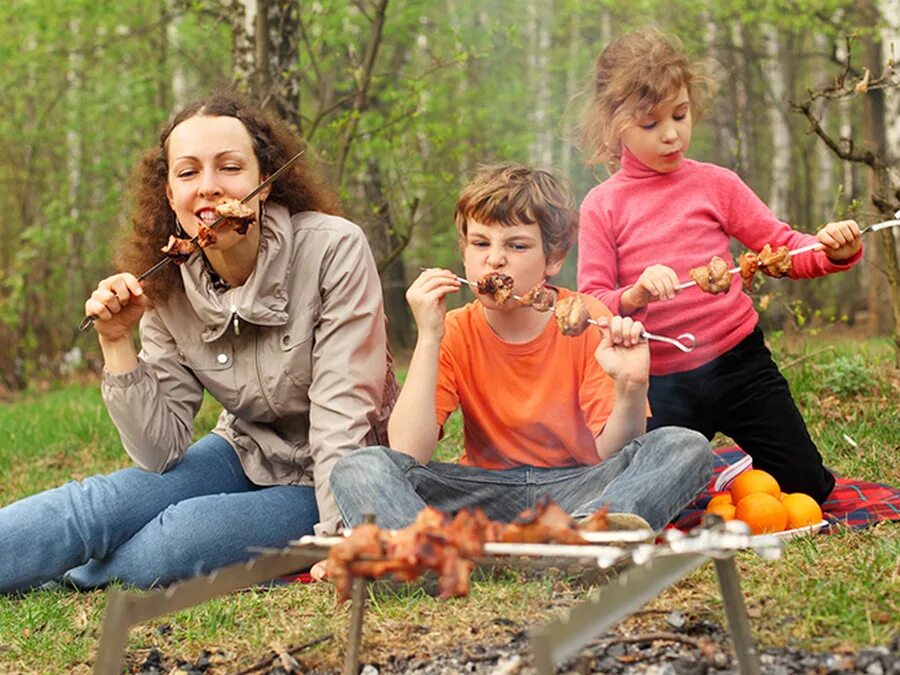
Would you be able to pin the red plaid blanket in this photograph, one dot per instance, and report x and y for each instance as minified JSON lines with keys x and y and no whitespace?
{"x":854,"y":503}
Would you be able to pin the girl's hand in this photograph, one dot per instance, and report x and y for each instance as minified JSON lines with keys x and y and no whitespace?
{"x":623,"y":353}
{"x":118,"y":303}
{"x":657,"y":282}
{"x":841,"y":239}
{"x":426,"y":300}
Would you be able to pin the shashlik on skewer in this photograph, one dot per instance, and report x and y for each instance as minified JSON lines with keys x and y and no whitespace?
{"x":716,"y":277}
{"x":235,"y":214}
{"x":572,"y":316}
{"x":448,"y":546}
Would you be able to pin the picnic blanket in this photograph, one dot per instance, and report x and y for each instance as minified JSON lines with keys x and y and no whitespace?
{"x":852,"y":503}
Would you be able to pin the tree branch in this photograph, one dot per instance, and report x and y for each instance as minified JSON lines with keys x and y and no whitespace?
{"x":361,"y":100}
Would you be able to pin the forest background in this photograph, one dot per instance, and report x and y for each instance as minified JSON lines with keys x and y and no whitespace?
{"x":400,"y":100}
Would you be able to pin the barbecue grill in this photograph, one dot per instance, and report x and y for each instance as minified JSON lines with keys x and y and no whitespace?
{"x":642,"y":569}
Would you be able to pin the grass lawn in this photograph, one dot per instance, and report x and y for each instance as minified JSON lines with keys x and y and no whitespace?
{"x":839,"y":590}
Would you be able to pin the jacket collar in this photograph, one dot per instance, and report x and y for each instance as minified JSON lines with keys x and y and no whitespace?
{"x":262,"y":299}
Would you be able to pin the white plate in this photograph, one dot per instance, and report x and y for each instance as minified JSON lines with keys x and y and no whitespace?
{"x":801,"y":531}
{"x":618,"y":536}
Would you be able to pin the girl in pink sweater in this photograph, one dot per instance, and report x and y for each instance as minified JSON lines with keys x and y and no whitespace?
{"x":659,"y":215}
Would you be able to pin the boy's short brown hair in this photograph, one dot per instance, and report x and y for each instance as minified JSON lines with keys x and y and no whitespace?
{"x":513,"y":194}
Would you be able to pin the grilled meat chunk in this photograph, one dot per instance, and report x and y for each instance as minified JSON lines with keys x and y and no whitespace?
{"x":178,"y":249}
{"x":238,"y":215}
{"x":775,"y":263}
{"x":571,"y":315}
{"x":499,"y":286}
{"x":713,"y":278}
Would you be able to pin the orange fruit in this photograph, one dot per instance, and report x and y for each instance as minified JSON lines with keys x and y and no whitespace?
{"x":802,"y":510}
{"x":726,"y":510}
{"x":762,"y":512}
{"x":751,"y":482}
{"x":719,"y":498}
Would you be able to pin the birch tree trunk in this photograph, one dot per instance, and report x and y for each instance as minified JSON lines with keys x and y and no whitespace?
{"x":540,"y":21}
{"x":724,"y":114}
{"x":889,"y":100}
{"x":780,"y":170}
{"x":265,"y":53}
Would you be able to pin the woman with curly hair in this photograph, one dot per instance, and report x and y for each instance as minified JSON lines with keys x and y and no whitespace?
{"x":283,"y":325}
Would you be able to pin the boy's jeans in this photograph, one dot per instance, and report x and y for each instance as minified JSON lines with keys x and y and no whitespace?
{"x":145,"y":528}
{"x":654,"y":476}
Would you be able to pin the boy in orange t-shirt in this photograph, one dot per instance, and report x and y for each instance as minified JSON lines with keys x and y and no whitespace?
{"x":545,"y":415}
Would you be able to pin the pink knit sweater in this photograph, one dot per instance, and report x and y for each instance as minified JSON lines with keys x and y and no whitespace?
{"x":640,"y":217}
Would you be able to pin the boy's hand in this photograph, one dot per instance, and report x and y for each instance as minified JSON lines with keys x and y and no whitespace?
{"x":623,"y":353}
{"x":426,"y":300}
{"x":657,"y":282}
{"x":841,"y":239}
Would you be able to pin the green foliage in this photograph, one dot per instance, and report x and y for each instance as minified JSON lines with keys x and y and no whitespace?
{"x":848,"y":375}
{"x":456,"y":84}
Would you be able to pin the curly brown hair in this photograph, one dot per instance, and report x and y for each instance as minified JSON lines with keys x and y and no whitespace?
{"x":152,"y":219}
{"x":511,"y":194}
{"x":631,"y":77}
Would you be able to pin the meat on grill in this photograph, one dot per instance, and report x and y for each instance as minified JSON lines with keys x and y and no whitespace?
{"x":178,"y":249}
{"x":447,"y":546}
{"x":498,"y":285}
{"x":572,"y":316}
{"x":540,"y":298}
{"x":238,"y":216}
{"x":713,"y":278}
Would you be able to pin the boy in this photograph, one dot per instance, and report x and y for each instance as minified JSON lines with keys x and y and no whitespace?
{"x":545,"y":415}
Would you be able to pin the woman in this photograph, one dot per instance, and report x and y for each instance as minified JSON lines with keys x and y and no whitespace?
{"x":283,"y":325}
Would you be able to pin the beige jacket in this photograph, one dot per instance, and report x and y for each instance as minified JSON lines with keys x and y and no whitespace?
{"x":296,"y":356}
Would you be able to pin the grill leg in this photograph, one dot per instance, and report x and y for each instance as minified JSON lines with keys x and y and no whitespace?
{"x":114,"y":634}
{"x":736,"y":612}
{"x":354,"y":631}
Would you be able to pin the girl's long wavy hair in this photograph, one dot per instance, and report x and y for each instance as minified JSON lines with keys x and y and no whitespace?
{"x":631,"y":77}
{"x":153,"y":220}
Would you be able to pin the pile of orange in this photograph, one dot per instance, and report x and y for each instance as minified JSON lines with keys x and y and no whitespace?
{"x":756,"y":498}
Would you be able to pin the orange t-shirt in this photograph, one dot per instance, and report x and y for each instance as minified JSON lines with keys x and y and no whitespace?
{"x":539,"y":403}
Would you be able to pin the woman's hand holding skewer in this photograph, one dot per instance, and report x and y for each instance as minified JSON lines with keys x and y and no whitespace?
{"x":657,"y":282}
{"x":840,"y":240}
{"x":118,"y":303}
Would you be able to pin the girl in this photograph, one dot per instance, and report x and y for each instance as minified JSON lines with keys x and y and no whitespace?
{"x":661,"y":214}
{"x":284,"y":326}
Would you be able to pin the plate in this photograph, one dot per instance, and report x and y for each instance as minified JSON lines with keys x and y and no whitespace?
{"x":801,"y":531}
{"x":618,"y":536}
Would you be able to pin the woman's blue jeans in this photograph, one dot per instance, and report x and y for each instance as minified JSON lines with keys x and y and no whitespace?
{"x":654,"y":476}
{"x":147,"y":529}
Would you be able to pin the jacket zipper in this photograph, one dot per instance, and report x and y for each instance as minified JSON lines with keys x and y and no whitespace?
{"x":234,"y":320}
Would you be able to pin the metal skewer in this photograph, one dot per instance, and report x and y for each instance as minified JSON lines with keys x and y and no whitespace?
{"x":815,"y":247}
{"x":88,"y":321}
{"x":685,"y":342}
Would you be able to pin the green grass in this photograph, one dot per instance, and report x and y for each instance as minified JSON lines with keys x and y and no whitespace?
{"x":825,"y":591}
